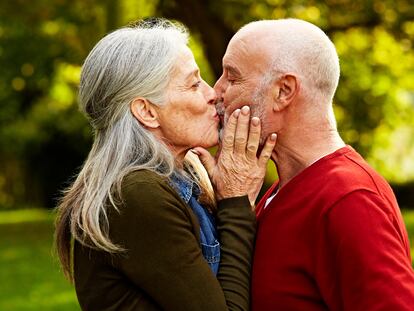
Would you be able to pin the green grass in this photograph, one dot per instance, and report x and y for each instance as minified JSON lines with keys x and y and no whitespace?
{"x":30,"y":278}
{"x":29,"y":274}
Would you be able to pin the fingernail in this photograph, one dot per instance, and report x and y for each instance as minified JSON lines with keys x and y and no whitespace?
{"x":195,"y":152}
{"x":245,"y":110}
{"x":273,"y":137}
{"x":255,"y":121}
{"x":236,"y":113}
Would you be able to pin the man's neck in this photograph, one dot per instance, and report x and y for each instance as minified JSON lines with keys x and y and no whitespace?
{"x":294,"y":153}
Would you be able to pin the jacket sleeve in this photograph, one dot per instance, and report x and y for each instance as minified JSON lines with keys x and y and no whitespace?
{"x":364,"y":243}
{"x":237,"y":228}
{"x":163,"y":256}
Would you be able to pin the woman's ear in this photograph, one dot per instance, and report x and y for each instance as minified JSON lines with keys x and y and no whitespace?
{"x":144,"y":112}
{"x":284,"y":91}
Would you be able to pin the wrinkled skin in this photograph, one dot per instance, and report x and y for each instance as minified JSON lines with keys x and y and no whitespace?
{"x":237,"y":171}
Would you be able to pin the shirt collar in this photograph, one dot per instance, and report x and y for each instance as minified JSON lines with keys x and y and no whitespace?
{"x":185,"y":187}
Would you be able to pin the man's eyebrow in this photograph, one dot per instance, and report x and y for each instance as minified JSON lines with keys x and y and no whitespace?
{"x":232,"y":70}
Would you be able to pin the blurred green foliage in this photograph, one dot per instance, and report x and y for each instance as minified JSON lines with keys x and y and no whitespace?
{"x":409,"y":223}
{"x":44,"y":139}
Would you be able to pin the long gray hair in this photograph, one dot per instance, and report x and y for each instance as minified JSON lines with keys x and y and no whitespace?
{"x":127,"y":63}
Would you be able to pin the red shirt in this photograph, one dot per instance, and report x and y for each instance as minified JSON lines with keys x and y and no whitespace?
{"x":332,"y":239}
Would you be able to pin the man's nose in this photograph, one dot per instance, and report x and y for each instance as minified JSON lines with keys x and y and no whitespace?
{"x":219,"y":87}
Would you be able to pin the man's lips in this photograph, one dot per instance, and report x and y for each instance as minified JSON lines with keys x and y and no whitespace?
{"x":221,"y":120}
{"x":220,"y":111}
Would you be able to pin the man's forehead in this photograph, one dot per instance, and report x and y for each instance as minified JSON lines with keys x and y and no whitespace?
{"x":238,"y":45}
{"x":243,"y":52}
{"x":231,"y":69}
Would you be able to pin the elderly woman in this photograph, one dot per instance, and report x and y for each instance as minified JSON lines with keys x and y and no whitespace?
{"x":148,"y":231}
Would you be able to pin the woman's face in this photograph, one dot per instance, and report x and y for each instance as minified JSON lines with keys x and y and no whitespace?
{"x":189,"y":117}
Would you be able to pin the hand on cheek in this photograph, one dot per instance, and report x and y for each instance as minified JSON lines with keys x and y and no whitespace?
{"x":238,"y":171}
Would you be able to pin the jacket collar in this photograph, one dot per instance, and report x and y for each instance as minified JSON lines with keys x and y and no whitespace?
{"x":185,"y":186}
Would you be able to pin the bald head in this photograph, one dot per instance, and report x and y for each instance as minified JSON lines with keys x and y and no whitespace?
{"x":270,"y":64}
{"x":298,"y":47}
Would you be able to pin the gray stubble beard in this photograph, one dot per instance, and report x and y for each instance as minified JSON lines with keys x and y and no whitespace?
{"x":221,"y":112}
{"x":256,"y":108}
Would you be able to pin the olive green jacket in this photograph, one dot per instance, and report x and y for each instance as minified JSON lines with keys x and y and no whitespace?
{"x":163,"y":267}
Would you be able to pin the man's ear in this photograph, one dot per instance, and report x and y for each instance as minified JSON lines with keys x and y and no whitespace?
{"x":144,"y":112}
{"x":285,"y":90}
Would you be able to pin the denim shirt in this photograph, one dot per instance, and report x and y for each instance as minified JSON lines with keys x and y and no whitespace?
{"x":210,"y":247}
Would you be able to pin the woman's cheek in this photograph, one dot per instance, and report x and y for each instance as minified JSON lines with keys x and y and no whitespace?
{"x":200,"y":109}
{"x":210,"y":135}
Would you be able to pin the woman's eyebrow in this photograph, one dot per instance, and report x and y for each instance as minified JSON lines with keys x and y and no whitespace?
{"x":192,"y":74}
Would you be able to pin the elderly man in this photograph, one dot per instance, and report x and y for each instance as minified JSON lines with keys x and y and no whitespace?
{"x":330,"y":234}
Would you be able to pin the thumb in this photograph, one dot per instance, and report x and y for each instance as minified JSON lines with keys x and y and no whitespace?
{"x":206,"y":159}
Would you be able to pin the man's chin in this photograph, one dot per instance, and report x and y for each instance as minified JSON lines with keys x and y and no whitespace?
{"x":221,"y":131}
{"x":221,"y":127}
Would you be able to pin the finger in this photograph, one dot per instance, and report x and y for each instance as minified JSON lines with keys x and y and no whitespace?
{"x":267,"y":150}
{"x":254,"y":138}
{"x":229,"y":132}
{"x":218,"y":152}
{"x":242,"y":131}
{"x":206,"y":159}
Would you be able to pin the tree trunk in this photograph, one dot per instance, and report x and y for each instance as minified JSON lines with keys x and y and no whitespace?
{"x":113,"y":13}
{"x":197,"y":16}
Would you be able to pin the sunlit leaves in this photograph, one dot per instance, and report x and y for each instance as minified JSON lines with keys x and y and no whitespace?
{"x":374,"y":105}
{"x":374,"y":101}
{"x":136,"y":9}
{"x":42,"y":46}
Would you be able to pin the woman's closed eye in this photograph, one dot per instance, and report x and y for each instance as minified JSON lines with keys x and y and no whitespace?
{"x":196,"y":85}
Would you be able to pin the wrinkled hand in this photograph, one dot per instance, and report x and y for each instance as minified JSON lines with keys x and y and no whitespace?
{"x":237,"y":171}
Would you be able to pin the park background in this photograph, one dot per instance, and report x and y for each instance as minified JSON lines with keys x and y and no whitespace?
{"x":44,"y":139}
